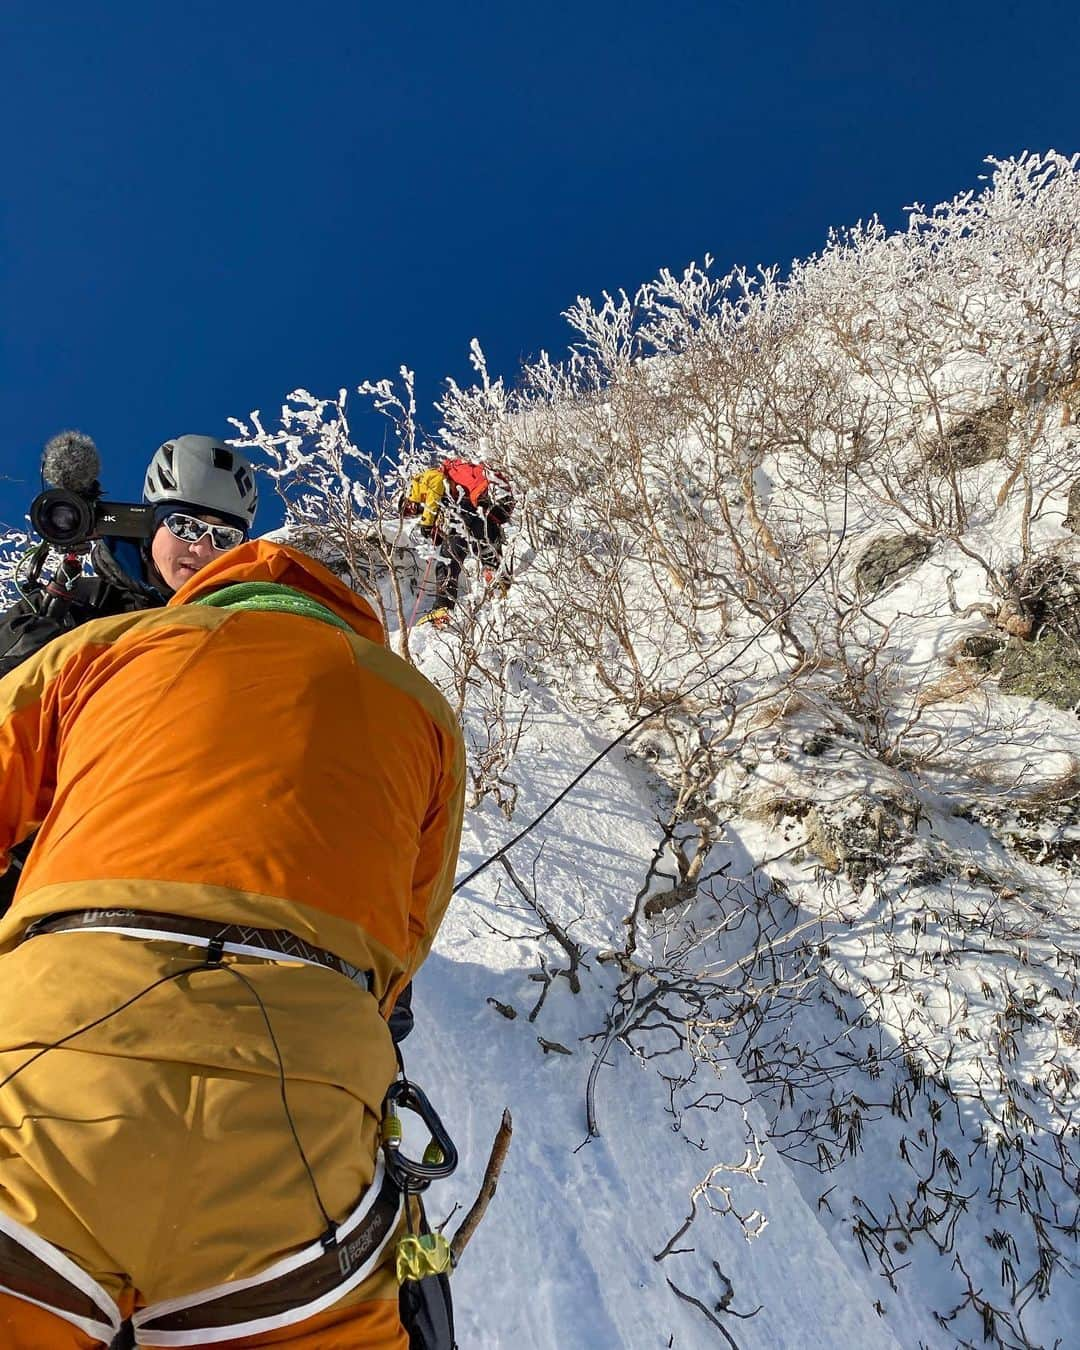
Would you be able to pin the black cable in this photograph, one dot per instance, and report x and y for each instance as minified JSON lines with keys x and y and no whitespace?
{"x":176,"y":974}
{"x":671,"y":703}
{"x":331,"y":1227}
{"x":213,"y":962}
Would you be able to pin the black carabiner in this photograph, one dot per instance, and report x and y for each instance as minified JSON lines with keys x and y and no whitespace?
{"x":407,"y":1172}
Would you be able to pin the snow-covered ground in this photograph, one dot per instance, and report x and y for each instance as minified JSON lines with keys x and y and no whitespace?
{"x":942,"y":957}
{"x":567,"y":1254}
{"x":822,"y":1080}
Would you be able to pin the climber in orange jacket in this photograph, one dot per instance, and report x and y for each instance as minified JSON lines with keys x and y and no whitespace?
{"x":249,"y":816}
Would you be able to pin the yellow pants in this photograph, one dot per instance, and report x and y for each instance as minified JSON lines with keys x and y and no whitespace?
{"x":162,"y":1177}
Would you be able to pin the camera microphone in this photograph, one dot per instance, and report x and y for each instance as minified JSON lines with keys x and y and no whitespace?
{"x":71,"y":461}
{"x":70,"y":513}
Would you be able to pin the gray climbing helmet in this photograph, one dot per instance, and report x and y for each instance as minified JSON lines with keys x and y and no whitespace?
{"x":200,"y":471}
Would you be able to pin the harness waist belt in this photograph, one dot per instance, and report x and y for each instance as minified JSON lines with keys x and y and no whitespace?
{"x":235,"y":938}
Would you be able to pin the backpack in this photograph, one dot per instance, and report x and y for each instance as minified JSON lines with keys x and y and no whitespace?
{"x":471,"y":478}
{"x":477,"y":481}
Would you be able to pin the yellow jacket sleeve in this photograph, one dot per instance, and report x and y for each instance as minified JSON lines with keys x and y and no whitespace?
{"x":429,"y":488}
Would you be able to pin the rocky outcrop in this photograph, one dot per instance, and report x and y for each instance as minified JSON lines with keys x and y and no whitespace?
{"x":974,"y":440}
{"x":888,"y":558}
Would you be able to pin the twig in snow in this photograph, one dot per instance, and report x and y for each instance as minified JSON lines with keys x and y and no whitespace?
{"x":488,"y":1187}
{"x":689,"y":1298}
{"x":614,"y":1030}
{"x":561,"y":936}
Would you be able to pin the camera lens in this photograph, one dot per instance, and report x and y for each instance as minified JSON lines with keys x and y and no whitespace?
{"x":62,"y":517}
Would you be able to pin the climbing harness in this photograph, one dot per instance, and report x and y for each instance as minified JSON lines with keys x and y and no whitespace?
{"x":235,"y":938}
{"x":311,"y":1280}
{"x":301,"y":1286}
{"x":292,"y":1290}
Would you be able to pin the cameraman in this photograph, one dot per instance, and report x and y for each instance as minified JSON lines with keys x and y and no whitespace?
{"x":204,"y":499}
{"x":193,"y":476}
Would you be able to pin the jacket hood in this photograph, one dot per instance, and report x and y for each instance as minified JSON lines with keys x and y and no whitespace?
{"x":264,"y":560}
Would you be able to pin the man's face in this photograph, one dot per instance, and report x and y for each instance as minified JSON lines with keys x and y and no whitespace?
{"x":177,"y":559}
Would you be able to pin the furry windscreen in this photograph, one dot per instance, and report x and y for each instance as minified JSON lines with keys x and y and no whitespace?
{"x":71,"y":461}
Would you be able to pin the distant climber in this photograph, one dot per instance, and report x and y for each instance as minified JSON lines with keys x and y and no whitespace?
{"x":237,"y":869}
{"x":464,"y":507}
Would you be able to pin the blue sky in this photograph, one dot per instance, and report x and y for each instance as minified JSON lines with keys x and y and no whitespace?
{"x":204,"y":206}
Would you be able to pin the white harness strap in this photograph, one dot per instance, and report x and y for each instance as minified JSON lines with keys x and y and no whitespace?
{"x":290,"y":1291}
{"x":196,"y":940}
{"x":39,"y":1273}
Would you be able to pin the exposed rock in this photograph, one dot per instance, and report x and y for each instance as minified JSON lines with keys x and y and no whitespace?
{"x":888,"y":558}
{"x":1072,"y":513}
{"x":1048,"y":669}
{"x":860,"y":836}
{"x":979,"y":649}
{"x":1044,"y":831}
{"x":1043,"y":603}
{"x":973,"y":440}
{"x":1048,"y":592}
{"x":1041,"y":615}
{"x":817,"y":743}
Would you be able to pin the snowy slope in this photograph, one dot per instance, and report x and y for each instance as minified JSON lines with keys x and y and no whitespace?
{"x":566,"y":1254}
{"x":828,"y":920}
{"x":800,"y":1243}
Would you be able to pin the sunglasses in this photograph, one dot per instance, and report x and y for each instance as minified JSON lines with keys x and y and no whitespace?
{"x":191,"y":529}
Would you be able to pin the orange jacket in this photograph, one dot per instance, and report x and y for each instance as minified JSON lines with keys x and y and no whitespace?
{"x":258,"y":767}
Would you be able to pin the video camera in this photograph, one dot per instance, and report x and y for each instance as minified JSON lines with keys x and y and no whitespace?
{"x":70,"y":513}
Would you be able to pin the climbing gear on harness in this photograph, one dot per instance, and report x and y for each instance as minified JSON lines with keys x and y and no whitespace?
{"x":440,"y":1157}
{"x":234,"y":938}
{"x":423,"y":1259}
{"x":427,"y":1313}
{"x":422,"y":1254}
